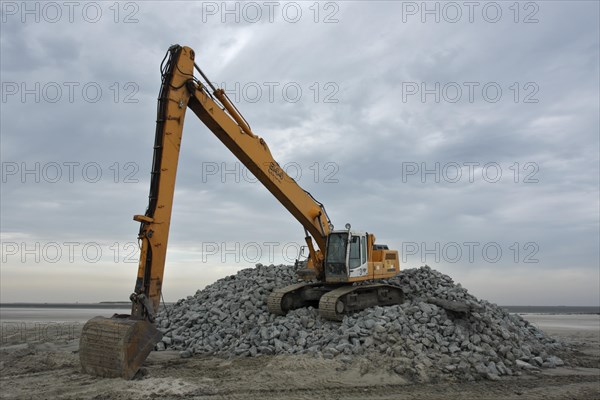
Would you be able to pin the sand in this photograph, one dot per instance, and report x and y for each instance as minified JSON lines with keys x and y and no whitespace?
{"x":39,"y":360}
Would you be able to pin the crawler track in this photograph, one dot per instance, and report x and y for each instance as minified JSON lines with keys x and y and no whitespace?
{"x":333,"y":301}
{"x":349,"y":299}
{"x":288,"y":298}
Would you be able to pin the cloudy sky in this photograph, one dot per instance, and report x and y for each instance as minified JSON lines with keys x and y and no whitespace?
{"x":464,"y":135}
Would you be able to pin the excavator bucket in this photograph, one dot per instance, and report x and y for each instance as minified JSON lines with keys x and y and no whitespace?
{"x":117,"y":346}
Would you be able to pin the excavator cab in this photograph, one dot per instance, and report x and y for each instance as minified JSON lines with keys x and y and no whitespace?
{"x":346,"y":255}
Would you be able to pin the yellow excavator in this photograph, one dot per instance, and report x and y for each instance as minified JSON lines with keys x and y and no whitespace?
{"x":335,"y":276}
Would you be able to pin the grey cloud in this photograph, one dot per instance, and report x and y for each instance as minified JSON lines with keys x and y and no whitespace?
{"x":369,"y":134}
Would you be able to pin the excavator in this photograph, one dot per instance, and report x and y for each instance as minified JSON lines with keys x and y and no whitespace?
{"x":339,"y":275}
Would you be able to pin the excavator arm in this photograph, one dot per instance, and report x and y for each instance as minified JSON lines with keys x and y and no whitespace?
{"x":223,"y":119}
{"x":117,"y":346}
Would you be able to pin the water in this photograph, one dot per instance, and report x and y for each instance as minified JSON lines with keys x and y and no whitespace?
{"x":553,"y":309}
{"x":47,"y":315}
{"x":80,"y":313}
{"x":26,"y":324}
{"x":579,"y":322}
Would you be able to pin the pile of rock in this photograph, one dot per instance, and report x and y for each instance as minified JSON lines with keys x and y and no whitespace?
{"x":440,"y":327}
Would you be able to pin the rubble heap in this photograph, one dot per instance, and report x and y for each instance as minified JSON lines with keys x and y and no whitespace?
{"x":440,"y":327}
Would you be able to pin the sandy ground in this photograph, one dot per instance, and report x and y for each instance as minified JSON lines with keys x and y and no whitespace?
{"x":40,"y":361}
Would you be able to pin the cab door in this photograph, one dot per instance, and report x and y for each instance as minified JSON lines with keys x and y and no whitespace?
{"x":357,"y":257}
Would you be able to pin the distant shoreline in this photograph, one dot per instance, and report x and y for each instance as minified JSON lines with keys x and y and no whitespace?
{"x":107,"y":304}
{"x":126,"y":305}
{"x":553,"y":309}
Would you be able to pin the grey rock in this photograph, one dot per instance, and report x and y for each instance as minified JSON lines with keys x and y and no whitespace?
{"x":538,"y":361}
{"x":185,"y":354}
{"x":440,"y":326}
{"x":555,"y":361}
{"x":492,"y":368}
{"x":481,"y":369}
{"x":492,"y":377}
{"x":525,"y":365}
{"x":453,"y":349}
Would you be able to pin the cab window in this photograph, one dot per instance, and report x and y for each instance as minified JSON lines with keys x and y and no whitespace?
{"x":363,"y":250}
{"x":354,"y":259}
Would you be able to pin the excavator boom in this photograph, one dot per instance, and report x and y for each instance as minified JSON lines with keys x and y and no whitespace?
{"x":117,"y":346}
